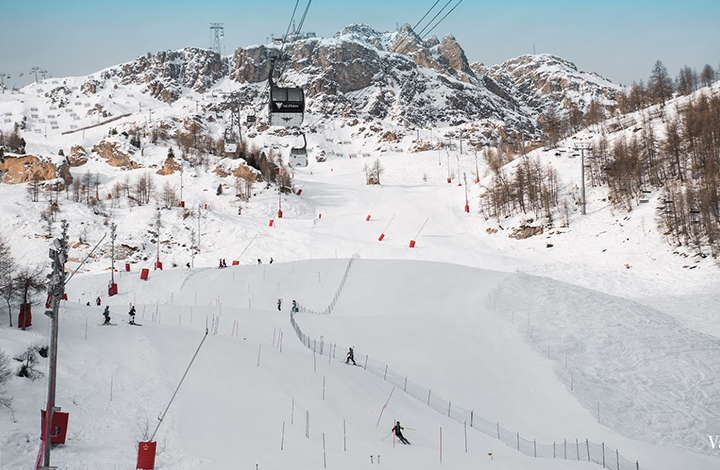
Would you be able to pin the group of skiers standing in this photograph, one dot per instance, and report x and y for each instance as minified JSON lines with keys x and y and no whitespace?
{"x":293,"y":309}
{"x":106,"y":314}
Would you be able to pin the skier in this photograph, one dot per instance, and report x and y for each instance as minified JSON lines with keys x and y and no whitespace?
{"x":188,"y":266}
{"x":350,"y":357}
{"x":132,"y":315}
{"x":295,"y":308}
{"x":397,"y":430}
{"x":224,"y":264}
{"x":106,"y":313}
{"x":279,"y":305}
{"x":271,"y":260}
{"x":259,"y":261}
{"x":98,"y":301}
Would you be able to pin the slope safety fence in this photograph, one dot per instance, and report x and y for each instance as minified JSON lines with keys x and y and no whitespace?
{"x":567,"y":449}
{"x":335,"y":298}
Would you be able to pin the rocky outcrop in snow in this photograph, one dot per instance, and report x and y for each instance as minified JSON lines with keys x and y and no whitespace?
{"x":166,"y":73}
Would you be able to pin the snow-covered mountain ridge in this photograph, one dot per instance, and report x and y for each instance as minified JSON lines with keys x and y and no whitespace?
{"x":406,"y":80}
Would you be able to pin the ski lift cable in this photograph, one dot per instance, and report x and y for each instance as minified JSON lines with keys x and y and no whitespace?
{"x":284,"y":40}
{"x":302,"y":20}
{"x":426,"y":14}
{"x":287,"y":31}
{"x":282,"y":46}
{"x":441,"y":19}
{"x":433,"y":18}
{"x":295,"y":34}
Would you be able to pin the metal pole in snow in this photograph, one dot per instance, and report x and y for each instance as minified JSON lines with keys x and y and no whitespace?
{"x":465,"y":425}
{"x":384,"y":406}
{"x":388,"y":225}
{"x":448,"y":167}
{"x":477,"y":171}
{"x":373,"y":208}
{"x":440,"y":444}
{"x":282,"y":439}
{"x":178,"y":387}
{"x":246,"y":247}
{"x":324,"y":458}
{"x":421,"y":228}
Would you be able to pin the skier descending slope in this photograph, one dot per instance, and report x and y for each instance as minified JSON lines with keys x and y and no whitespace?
{"x":397,"y":430}
{"x":350,"y":357}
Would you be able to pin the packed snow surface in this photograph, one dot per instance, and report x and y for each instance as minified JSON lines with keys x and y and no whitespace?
{"x":594,"y":330}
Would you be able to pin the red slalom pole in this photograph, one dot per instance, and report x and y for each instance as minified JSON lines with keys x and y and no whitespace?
{"x":382,"y":235}
{"x":412,"y":242}
{"x":372,"y":208}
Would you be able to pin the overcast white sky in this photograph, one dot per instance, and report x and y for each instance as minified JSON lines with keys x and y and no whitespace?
{"x":619,"y":40}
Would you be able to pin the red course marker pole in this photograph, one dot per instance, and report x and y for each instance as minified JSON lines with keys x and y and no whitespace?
{"x":372,"y":208}
{"x":412,"y":242}
{"x":382,"y":235}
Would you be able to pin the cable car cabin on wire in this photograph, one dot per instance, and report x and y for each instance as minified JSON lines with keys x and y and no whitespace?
{"x":287,"y":106}
{"x":230,"y":141}
{"x":298,"y":155}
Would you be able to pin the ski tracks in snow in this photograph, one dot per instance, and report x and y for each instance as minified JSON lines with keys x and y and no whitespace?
{"x":639,"y":370}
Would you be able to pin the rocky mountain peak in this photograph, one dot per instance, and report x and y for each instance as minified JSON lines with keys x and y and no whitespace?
{"x":406,"y":80}
{"x":544,"y":79}
{"x":455,"y":58}
{"x":432,"y":41}
{"x":166,"y":73}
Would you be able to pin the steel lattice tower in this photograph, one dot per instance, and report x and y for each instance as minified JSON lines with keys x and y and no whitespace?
{"x":217,"y":33}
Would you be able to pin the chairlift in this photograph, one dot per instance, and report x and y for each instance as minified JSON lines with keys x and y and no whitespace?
{"x":298,"y":155}
{"x":286,"y":105}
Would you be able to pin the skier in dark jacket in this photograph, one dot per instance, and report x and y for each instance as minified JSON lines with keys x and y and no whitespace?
{"x":397,"y":430}
{"x":132,"y":315}
{"x":350,"y":357}
{"x":106,"y":313}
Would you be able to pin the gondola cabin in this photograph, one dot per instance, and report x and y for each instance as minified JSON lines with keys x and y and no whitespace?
{"x":287,"y":106}
{"x":250,"y":119}
{"x":298,"y":155}
{"x":230,"y":146}
{"x":230,"y":141}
